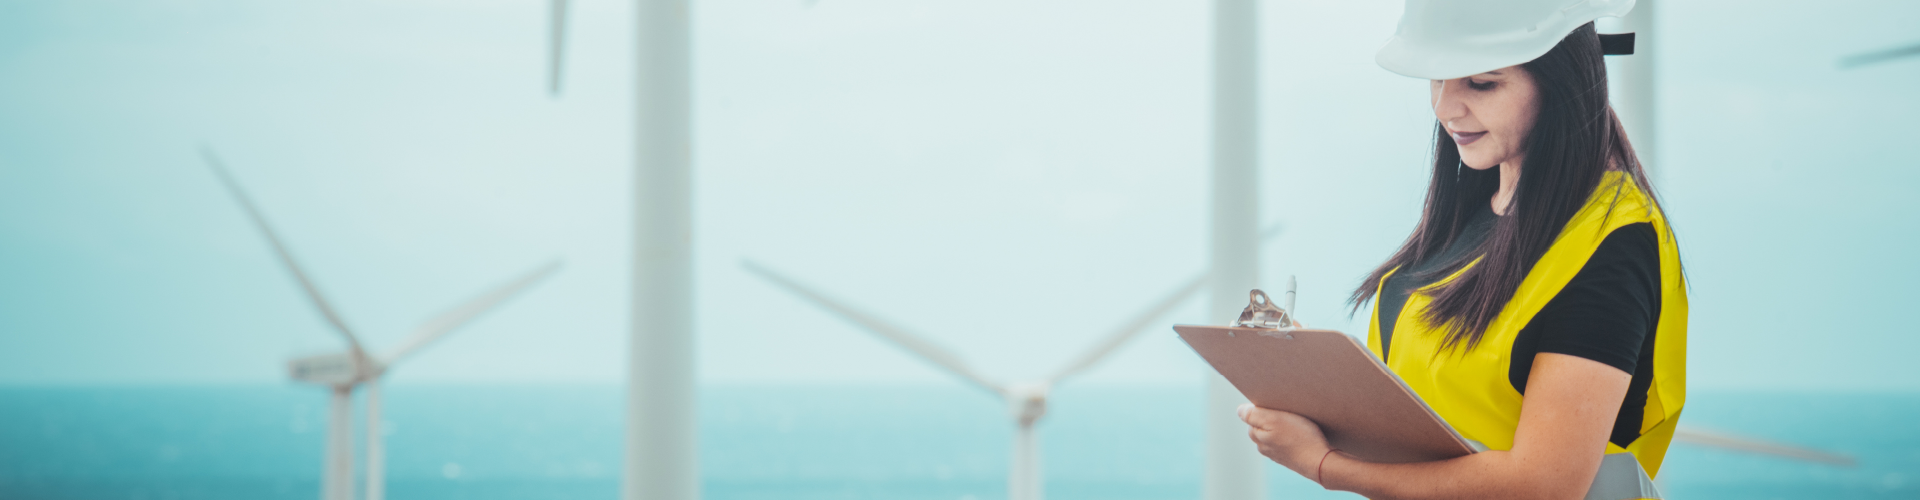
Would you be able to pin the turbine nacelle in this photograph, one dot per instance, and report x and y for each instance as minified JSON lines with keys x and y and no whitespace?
{"x":332,"y":369}
{"x":1027,"y":402}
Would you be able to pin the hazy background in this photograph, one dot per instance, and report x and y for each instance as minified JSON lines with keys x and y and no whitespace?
{"x":1009,"y":177}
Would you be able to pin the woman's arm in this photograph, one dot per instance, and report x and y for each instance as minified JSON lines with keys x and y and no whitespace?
{"x":1565,"y":420}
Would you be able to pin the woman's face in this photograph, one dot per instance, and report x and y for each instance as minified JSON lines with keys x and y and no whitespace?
{"x":1488,"y":114}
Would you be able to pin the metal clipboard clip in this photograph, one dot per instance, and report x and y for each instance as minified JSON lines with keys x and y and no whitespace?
{"x":1261,"y":313}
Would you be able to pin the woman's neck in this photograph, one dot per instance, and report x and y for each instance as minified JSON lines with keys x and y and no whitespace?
{"x":1509,"y":181}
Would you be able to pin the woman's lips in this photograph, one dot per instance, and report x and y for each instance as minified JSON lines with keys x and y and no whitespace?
{"x":1465,"y":138}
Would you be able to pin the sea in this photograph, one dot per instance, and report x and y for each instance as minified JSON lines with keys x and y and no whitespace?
{"x":800,"y":442}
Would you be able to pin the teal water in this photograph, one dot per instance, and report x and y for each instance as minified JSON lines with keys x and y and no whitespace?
{"x":554,"y":442}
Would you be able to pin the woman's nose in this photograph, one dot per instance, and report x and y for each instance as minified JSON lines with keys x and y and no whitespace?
{"x":1446,"y":101}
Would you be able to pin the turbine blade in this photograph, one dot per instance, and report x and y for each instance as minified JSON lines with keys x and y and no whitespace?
{"x":1879,"y":56}
{"x":280,"y":250}
{"x":556,"y":46}
{"x":1751,"y":445}
{"x":437,"y":327}
{"x":1114,"y":340}
{"x":911,"y":342}
{"x":1272,"y":231}
{"x":1130,"y":329}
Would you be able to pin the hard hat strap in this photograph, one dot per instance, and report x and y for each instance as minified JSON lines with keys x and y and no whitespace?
{"x":1616,"y":44}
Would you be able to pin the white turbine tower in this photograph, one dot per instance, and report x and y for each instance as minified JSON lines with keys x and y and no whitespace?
{"x":1233,"y":469}
{"x":342,"y":372}
{"x":661,"y":461}
{"x":1026,"y":401}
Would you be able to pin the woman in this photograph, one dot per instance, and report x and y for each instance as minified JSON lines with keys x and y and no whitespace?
{"x":1539,"y":306}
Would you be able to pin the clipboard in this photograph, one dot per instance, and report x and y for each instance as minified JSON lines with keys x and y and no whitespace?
{"x":1328,"y":377}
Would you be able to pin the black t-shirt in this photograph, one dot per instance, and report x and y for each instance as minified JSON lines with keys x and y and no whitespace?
{"x":1607,"y":313}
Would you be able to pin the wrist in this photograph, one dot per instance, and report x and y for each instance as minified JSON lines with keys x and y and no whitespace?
{"x":1325,"y":462}
{"x":1306,"y":461}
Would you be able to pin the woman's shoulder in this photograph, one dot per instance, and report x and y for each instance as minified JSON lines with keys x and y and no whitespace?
{"x":1616,"y":202}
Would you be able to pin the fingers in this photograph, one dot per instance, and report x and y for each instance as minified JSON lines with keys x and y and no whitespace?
{"x":1249,"y":413}
{"x":1269,"y":437}
{"x":1260,"y":440}
{"x":1263,"y":418}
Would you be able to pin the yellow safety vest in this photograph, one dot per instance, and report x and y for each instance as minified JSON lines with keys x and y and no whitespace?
{"x":1470,"y":388}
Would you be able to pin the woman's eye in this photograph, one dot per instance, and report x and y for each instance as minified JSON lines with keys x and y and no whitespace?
{"x":1479,"y":85}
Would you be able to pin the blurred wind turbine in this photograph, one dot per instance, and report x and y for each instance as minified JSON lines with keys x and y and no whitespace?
{"x":661,"y":461}
{"x":1749,"y":445}
{"x":556,"y":45}
{"x":1026,"y":401}
{"x":1233,"y":470}
{"x":342,"y":372}
{"x":1879,"y":56}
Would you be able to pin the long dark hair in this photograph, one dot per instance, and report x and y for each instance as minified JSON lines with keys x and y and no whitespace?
{"x":1574,"y":141}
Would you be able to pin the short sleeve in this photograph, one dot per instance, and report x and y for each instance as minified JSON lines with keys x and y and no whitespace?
{"x":1609,"y":308}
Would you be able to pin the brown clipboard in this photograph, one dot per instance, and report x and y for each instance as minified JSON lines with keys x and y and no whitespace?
{"x":1332,"y":379}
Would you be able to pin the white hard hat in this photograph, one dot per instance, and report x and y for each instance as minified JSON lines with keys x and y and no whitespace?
{"x":1447,"y":39}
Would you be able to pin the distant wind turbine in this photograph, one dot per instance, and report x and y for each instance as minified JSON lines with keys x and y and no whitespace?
{"x":1879,"y":56}
{"x":1754,"y":446}
{"x":556,"y":45}
{"x":342,"y":372}
{"x":1026,"y":401}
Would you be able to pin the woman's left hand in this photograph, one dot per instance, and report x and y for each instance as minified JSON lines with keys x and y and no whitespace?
{"x":1286,"y":438}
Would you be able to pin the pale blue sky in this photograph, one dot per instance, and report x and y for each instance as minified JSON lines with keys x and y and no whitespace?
{"x":992,"y":172}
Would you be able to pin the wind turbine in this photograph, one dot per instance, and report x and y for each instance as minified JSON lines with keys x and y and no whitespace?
{"x":1233,"y":470}
{"x":1026,"y":401}
{"x":342,"y":372}
{"x":661,"y":461}
{"x":556,"y":45}
{"x":1879,"y":56}
{"x":1745,"y":444}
